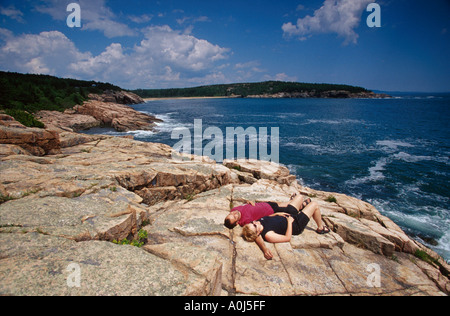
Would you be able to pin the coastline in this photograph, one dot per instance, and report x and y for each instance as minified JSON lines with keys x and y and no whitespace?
{"x":184,"y":98}
{"x":94,"y":191}
{"x":328,"y":95}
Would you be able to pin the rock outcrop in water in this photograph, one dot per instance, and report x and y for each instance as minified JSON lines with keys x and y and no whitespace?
{"x":119,"y":97}
{"x":107,"y":110}
{"x":60,"y":213}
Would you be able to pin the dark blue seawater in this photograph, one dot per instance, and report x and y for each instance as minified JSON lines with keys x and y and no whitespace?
{"x":392,"y":153}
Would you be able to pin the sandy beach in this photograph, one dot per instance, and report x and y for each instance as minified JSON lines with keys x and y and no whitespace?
{"x":182,"y":98}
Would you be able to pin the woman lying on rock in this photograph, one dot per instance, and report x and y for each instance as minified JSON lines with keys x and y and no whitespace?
{"x":245,"y":214}
{"x":281,"y":226}
{"x":251,"y":212}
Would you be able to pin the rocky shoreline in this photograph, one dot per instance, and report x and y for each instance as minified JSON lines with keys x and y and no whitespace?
{"x":66,"y":197}
{"x":107,"y":110}
{"x":333,"y":94}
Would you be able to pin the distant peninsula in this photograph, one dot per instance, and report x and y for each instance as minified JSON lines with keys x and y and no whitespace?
{"x":28,"y":98}
{"x":267,"y":89}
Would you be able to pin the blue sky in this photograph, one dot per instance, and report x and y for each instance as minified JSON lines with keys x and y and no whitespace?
{"x":163,"y":44}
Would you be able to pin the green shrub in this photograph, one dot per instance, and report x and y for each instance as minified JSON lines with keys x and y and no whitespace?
{"x":33,"y":93}
{"x":142,"y":237}
{"x":24,"y":118}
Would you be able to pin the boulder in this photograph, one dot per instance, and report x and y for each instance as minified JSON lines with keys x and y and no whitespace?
{"x":355,"y":232}
{"x":67,"y":121}
{"x":108,"y":109}
{"x":120,"y":97}
{"x":69,"y":139}
{"x":11,"y":150}
{"x":36,"y":141}
{"x":9,"y":121}
{"x":118,"y":116}
{"x":261,"y":170}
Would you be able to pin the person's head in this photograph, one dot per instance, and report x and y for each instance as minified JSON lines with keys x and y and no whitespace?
{"x":252,"y":231}
{"x":232,"y":219}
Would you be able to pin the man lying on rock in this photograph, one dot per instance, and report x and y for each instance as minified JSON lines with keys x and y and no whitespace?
{"x":275,"y":222}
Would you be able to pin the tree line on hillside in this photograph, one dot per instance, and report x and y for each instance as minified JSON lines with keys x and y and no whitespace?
{"x":21,"y":95}
{"x":245,"y":89}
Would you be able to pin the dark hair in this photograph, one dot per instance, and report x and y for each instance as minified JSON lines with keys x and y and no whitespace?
{"x":228,"y":224}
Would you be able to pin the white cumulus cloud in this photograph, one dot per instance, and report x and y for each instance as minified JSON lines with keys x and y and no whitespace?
{"x":165,"y":57}
{"x":180,"y":51}
{"x":44,"y":53}
{"x":335,"y":16}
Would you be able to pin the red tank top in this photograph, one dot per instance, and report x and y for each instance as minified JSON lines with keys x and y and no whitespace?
{"x":250,"y":213}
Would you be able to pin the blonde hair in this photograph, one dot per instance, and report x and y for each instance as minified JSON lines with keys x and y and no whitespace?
{"x":249,"y":234}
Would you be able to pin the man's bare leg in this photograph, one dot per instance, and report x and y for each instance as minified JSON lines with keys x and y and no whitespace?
{"x":298,"y":199}
{"x":312,"y":210}
{"x":297,"y":202}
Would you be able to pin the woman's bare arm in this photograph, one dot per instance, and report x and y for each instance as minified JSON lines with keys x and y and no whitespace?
{"x":275,"y":238}
{"x":280,"y":214}
{"x":261,"y":244}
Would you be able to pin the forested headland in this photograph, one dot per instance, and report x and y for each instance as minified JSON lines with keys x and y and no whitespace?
{"x":246,"y":89}
{"x":22,"y":95}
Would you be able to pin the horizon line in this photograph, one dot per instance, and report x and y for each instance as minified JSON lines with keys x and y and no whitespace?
{"x":217,"y":84}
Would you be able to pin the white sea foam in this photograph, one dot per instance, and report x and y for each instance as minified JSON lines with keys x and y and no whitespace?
{"x":312,"y":145}
{"x":304,"y":146}
{"x":375,"y":173}
{"x":168,"y":124}
{"x":412,"y":158}
{"x":393,"y":145}
{"x":334,"y":122}
{"x":443,"y":246}
{"x":141,"y":133}
{"x":290,"y":116}
{"x":428,"y":220}
{"x":422,"y":220}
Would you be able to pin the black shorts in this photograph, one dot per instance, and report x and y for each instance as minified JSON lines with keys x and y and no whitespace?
{"x":290,"y":209}
{"x":301,"y":220}
{"x":300,"y":223}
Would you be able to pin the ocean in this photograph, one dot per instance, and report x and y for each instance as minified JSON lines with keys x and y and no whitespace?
{"x":393,"y":153}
